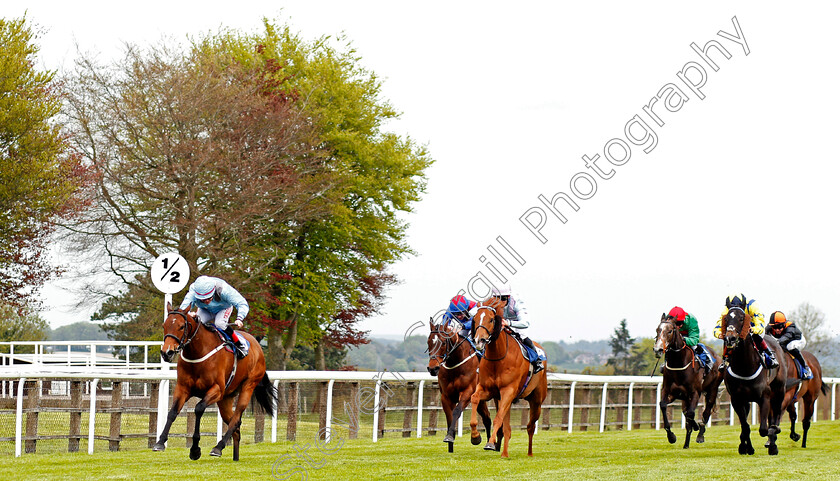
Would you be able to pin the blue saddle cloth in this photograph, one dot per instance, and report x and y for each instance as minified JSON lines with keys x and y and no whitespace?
{"x":531,"y":354}
{"x":800,"y":369}
{"x":229,"y":342}
{"x":705,"y":357}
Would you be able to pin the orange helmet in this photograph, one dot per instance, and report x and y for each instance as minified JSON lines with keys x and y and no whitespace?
{"x":778,"y":320}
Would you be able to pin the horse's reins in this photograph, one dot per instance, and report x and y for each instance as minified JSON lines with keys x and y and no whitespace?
{"x":490,"y":334}
{"x":745,"y":330}
{"x":672,"y":349}
{"x":182,"y":344}
{"x":442,"y":360}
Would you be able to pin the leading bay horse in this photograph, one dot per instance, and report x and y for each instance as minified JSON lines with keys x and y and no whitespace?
{"x":503,"y":374}
{"x":207,"y":371}
{"x":683,"y":378}
{"x":747,"y":380}
{"x":453,"y":360}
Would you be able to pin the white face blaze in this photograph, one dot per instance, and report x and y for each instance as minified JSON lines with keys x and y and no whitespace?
{"x":659,"y":338}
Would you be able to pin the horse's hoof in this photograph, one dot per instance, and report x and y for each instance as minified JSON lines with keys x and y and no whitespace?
{"x":773,"y":450}
{"x":672,"y":438}
{"x":159,"y":447}
{"x":215,"y":452}
{"x":767,"y":444}
{"x":700,"y":439}
{"x":795,"y":437}
{"x":449,"y":438}
{"x":745,"y":449}
{"x":489,"y":447}
{"x":476,"y":441}
{"x":195,"y":453}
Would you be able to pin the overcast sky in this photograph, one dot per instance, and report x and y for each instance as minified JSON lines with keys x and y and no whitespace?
{"x":738,"y":193}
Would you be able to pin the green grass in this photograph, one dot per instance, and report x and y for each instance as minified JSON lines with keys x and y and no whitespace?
{"x":634,"y":455}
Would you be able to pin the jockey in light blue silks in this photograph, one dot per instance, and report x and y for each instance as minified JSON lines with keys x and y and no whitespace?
{"x":215,"y":300}
{"x":516,"y":316}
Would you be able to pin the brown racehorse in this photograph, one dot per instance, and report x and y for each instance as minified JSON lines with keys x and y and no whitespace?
{"x":808,"y":392}
{"x":454,"y":362}
{"x":747,"y":380}
{"x":503,"y":375}
{"x":207,"y":371}
{"x":684,"y":379}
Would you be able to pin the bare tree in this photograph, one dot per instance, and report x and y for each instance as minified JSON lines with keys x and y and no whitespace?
{"x":812,"y":322}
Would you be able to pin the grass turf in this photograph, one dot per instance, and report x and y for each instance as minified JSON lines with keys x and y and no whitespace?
{"x":638,"y":455}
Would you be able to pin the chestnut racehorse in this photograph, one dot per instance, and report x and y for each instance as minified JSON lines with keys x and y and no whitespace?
{"x":747,"y":380}
{"x":683,"y":378}
{"x":454,"y":362}
{"x":503,"y":375}
{"x":808,"y":392}
{"x":207,"y":371}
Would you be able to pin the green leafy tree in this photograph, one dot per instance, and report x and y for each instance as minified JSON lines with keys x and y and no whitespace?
{"x":641,"y":360}
{"x":40,"y":179}
{"x":622,"y":345}
{"x":380,"y":175}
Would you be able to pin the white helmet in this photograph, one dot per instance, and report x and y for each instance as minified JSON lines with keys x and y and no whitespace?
{"x":204,"y":287}
{"x":501,"y":291}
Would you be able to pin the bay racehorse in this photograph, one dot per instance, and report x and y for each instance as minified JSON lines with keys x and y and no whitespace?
{"x":748,"y":380}
{"x":209,"y":372}
{"x":683,"y":378}
{"x":454,"y":361}
{"x":808,"y":392}
{"x":504,"y":375}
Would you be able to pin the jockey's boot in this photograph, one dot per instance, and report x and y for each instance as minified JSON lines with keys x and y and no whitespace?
{"x":724,"y":364}
{"x":806,"y":371}
{"x":238,"y":346}
{"x":538,"y":365}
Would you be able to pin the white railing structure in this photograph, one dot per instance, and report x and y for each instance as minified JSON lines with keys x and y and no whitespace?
{"x":99,"y":354}
{"x":378,"y":392}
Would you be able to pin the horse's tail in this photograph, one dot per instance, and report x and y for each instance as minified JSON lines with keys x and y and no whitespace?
{"x":824,"y":388}
{"x":266,"y":395}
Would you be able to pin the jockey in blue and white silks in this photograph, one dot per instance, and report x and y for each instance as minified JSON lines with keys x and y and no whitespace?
{"x":516,"y":316}
{"x":215,"y":300}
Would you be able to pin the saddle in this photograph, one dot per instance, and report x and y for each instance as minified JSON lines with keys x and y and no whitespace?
{"x":800,"y":369}
{"x":229,"y":344}
{"x":530,"y":354}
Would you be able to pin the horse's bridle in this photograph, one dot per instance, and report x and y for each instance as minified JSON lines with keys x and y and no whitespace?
{"x":183,"y":341}
{"x":673,"y":341}
{"x":442,"y":359}
{"x":490,"y":333}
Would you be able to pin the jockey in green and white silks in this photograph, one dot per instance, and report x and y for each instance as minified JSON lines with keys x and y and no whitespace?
{"x":516,"y":316}
{"x":215,"y":300}
{"x":690,"y":331}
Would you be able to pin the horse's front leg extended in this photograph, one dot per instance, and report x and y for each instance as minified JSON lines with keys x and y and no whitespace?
{"x":689,"y":408}
{"x":179,"y":398}
{"x":663,"y":405}
{"x":743,"y":410}
{"x":505,"y":400}
{"x":479,"y":396}
{"x":210,"y":398}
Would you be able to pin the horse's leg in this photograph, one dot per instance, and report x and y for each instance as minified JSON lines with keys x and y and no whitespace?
{"x":711,"y":402}
{"x":484,"y":412}
{"x":743,"y":410}
{"x":179,"y":398}
{"x":451,"y":416}
{"x":663,"y":405}
{"x":808,"y":403}
{"x":769,"y":412}
{"x":505,"y":399}
{"x":507,"y":432}
{"x":212,"y":396}
{"x":791,"y":409}
{"x":689,"y":407}
{"x":245,"y":393}
{"x":479,"y":396}
{"x":534,"y":415}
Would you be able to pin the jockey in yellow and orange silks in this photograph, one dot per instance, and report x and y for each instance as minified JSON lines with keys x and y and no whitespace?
{"x":756,"y":328}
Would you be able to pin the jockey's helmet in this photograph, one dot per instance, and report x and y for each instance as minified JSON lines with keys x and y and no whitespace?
{"x":778,"y":320}
{"x":204,"y":287}
{"x":736,"y":301}
{"x":459,"y":305}
{"x":503,"y":291}
{"x":677,"y":313}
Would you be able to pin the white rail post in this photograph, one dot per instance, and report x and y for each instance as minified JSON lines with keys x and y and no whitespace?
{"x":833,"y":400}
{"x":731,"y":413}
{"x":603,"y":405}
{"x":19,"y":418}
{"x":92,"y":420}
{"x":92,"y":354}
{"x":572,"y":405}
{"x":630,"y":406}
{"x":329,"y":410}
{"x":376,"y":412}
{"x":163,"y":402}
{"x":754,"y":409}
{"x":219,"y":426}
{"x":274,"y":417}
{"x":420,"y":409}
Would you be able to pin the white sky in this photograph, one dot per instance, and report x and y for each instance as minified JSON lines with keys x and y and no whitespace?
{"x":737,"y":196}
